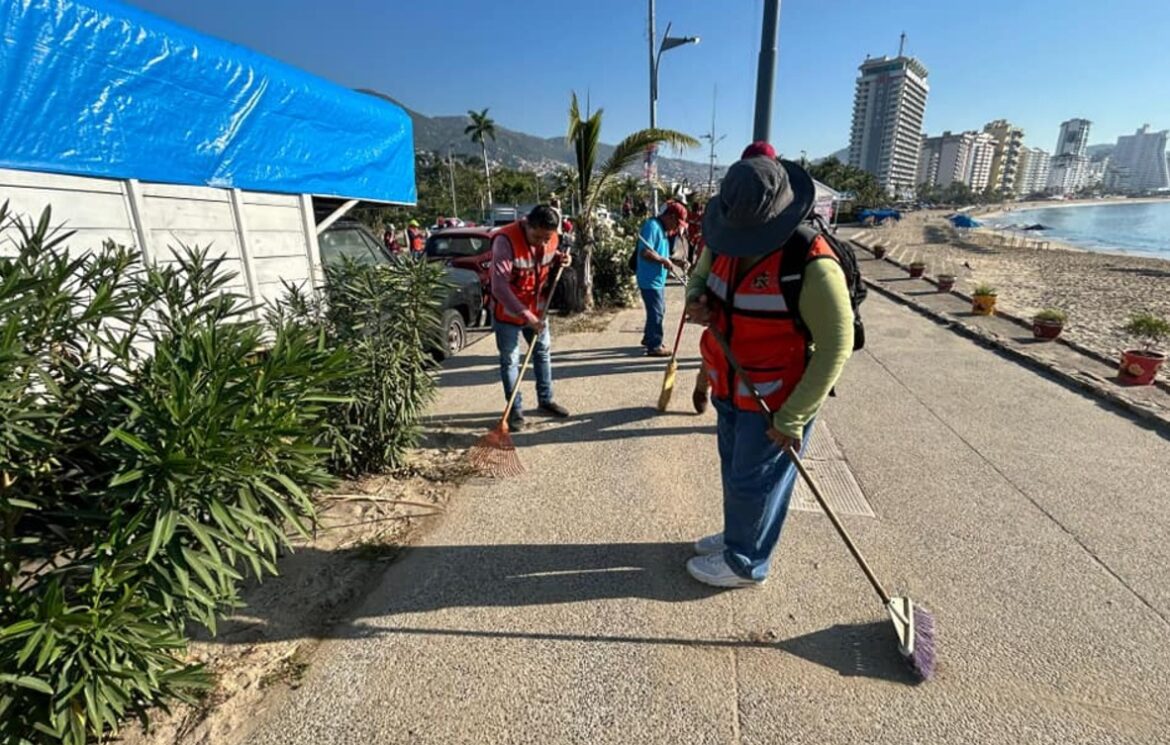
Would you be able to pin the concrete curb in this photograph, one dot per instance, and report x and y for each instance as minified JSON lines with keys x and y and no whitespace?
{"x":1076,"y":379}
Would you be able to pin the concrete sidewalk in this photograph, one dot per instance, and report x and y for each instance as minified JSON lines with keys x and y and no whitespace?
{"x":554,"y":607}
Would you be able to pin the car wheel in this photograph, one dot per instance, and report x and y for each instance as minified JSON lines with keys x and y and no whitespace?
{"x":454,"y":333}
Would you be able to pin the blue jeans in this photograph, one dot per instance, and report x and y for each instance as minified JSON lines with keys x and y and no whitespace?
{"x":508,"y":342}
{"x":655,"y":302}
{"x":757,"y":484}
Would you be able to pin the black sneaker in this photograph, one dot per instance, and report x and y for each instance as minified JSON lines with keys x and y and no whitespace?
{"x":515,"y":421}
{"x":552,"y":407}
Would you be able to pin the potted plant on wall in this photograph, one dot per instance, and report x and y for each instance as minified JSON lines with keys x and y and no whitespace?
{"x":917,"y":267}
{"x":945,"y":281}
{"x":1140,"y":366}
{"x":983,"y":300}
{"x":879,"y":250}
{"x":1048,"y":323}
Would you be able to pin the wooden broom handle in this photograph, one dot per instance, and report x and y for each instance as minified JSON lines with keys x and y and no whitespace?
{"x":812,"y":485}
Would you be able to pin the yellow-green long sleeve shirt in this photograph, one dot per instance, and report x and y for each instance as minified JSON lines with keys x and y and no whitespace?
{"x":826,"y":311}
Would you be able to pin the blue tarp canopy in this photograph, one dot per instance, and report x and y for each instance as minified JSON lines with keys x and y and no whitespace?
{"x":97,"y":88}
{"x":879,"y":215}
{"x":963,"y":221}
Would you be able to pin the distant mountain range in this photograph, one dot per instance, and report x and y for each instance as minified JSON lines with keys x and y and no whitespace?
{"x":519,"y":150}
{"x":544,"y":155}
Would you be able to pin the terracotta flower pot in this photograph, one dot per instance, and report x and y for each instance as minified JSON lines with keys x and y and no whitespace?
{"x":983,"y":305}
{"x":879,"y":252}
{"x":916,"y":270}
{"x":1042,"y":329}
{"x":1140,"y":366}
{"x":946,"y":282}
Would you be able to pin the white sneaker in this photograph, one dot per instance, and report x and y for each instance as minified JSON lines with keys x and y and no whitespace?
{"x":711,"y":544}
{"x":712,"y":569}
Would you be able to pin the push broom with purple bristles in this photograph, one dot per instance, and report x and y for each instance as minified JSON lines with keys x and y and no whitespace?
{"x":913,"y":623}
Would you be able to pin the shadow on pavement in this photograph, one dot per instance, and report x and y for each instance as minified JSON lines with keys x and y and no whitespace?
{"x":864,"y":650}
{"x":463,"y":430}
{"x":481,"y":369}
{"x":434,"y":578}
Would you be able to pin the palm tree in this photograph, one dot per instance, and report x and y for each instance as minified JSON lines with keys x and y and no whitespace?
{"x":481,"y":127}
{"x":584,"y":137}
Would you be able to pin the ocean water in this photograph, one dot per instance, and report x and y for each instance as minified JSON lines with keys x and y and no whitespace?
{"x":1141,"y":229}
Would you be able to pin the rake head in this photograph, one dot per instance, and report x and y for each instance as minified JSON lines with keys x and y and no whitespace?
{"x":667,"y":385}
{"x":495,"y":454}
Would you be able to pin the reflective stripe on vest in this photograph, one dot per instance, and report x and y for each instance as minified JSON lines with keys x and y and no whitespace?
{"x":528,"y":279}
{"x":717,"y":285}
{"x":766,"y":388}
{"x":767,"y":303}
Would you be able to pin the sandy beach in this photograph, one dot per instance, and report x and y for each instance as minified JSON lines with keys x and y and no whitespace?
{"x":1097,"y":290}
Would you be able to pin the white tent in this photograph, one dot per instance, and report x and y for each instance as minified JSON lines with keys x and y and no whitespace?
{"x":825,"y":203}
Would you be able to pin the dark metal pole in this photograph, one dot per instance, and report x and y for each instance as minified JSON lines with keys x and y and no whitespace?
{"x":451,"y":170}
{"x":653,"y":73}
{"x":766,"y":74}
{"x":653,"y":101}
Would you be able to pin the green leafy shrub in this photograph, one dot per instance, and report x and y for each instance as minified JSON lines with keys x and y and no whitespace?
{"x":1051,"y":315}
{"x":150,"y":454}
{"x":613,"y":284}
{"x":384,"y":316}
{"x":984,"y":290}
{"x":1149,"y":330}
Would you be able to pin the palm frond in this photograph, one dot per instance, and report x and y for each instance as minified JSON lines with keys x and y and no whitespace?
{"x":629,"y":150}
{"x":584,"y":137}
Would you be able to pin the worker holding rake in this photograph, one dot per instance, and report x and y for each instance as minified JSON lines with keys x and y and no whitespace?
{"x":524,"y":255}
{"x":736,"y":291}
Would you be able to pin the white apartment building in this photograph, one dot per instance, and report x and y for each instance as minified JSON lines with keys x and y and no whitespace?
{"x":965,"y":158}
{"x":1069,"y":170}
{"x":982,"y":157}
{"x":1033,"y":171}
{"x":889,"y":106}
{"x":1074,"y":137}
{"x":1138,"y":162}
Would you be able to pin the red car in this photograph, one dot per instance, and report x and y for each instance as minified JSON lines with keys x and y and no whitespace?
{"x":464,"y":248}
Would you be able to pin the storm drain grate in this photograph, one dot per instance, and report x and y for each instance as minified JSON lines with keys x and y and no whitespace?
{"x":822,"y":445}
{"x":827,"y":465}
{"x":838,"y":485}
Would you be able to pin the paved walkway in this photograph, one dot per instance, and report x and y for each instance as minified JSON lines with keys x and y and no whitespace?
{"x":554,"y":607}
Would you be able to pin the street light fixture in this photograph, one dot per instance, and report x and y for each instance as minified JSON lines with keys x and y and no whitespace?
{"x":668,"y":42}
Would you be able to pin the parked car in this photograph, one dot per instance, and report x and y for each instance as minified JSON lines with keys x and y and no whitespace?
{"x":464,"y":248}
{"x":463,"y":306}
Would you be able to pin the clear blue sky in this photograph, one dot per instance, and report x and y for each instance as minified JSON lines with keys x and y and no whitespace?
{"x":1033,"y":62}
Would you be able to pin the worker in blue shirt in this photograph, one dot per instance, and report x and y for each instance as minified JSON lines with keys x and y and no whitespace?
{"x":654,"y":241}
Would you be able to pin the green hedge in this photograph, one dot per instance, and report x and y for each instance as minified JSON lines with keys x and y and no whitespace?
{"x":158,"y":439}
{"x":385,"y":318}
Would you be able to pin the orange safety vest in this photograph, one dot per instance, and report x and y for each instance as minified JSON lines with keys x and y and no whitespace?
{"x":530,"y":273}
{"x":417,"y":242}
{"x":759,"y":327}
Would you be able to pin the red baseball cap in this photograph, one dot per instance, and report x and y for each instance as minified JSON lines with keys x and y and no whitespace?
{"x":675,"y":208}
{"x":759,"y":148}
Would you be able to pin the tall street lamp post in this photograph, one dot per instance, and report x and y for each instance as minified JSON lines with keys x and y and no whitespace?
{"x":668,"y":42}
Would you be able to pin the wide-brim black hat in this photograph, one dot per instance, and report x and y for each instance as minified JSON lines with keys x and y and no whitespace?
{"x":761,"y":202}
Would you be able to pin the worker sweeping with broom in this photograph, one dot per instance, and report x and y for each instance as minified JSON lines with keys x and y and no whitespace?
{"x":773,"y":351}
{"x":736,"y":290}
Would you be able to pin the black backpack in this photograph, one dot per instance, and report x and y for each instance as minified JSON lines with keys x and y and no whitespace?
{"x":792,"y":273}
